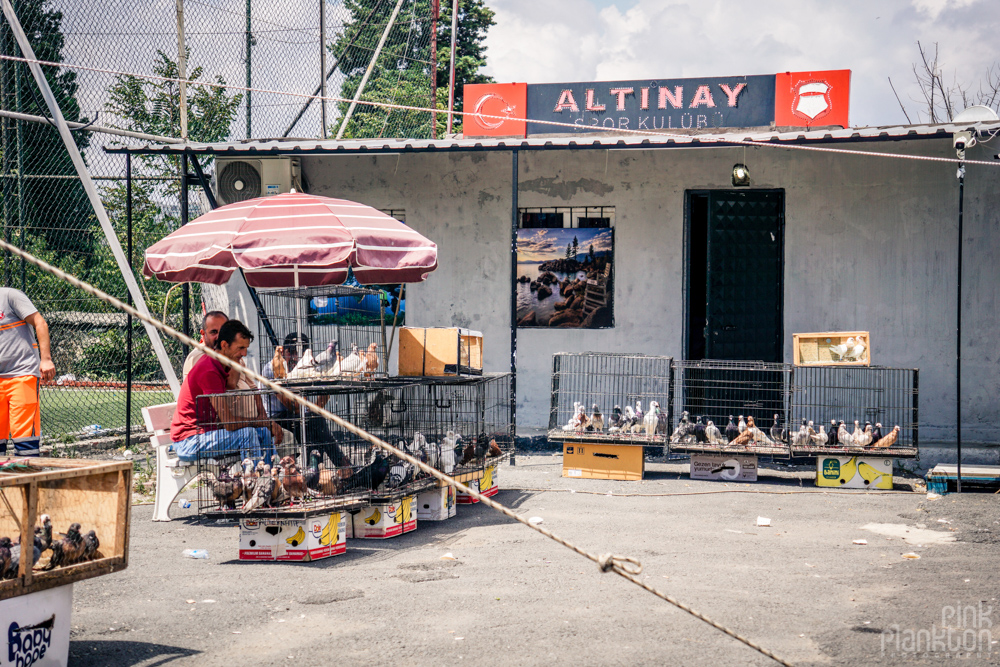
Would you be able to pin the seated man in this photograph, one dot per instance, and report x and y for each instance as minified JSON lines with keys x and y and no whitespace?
{"x":203,"y":428}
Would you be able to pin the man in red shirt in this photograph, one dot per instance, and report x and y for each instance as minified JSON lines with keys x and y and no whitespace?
{"x":215,"y":426}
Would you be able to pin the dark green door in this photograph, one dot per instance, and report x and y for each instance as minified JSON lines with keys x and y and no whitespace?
{"x":744,"y":275}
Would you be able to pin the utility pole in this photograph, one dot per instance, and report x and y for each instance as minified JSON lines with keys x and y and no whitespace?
{"x":249,"y":37}
{"x":182,"y":68}
{"x":435,"y":10}
{"x":451,"y":66}
{"x":322,"y":67}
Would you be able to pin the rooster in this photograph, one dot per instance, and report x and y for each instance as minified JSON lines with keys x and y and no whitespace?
{"x":494,"y":449}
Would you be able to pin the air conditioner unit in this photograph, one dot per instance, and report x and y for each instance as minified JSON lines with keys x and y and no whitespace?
{"x":239,"y":179}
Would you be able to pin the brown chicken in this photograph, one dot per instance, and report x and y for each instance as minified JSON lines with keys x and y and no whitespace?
{"x":889,"y":440}
{"x":371,"y":358}
{"x":746,"y":437}
{"x":278,"y":364}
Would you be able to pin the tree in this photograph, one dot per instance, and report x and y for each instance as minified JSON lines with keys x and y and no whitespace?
{"x":53,"y":210}
{"x":569,"y":250}
{"x":591,"y":254}
{"x":474,"y":21}
{"x":940,"y":101}
{"x":576,"y":247}
{"x":402,"y":73}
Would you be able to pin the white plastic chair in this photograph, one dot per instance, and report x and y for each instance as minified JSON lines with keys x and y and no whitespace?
{"x":172,"y":474}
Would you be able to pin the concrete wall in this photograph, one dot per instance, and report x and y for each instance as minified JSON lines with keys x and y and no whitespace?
{"x":870,"y":245}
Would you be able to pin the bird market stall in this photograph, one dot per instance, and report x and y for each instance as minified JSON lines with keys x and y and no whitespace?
{"x":731,"y":413}
{"x":606,"y":408}
{"x":75,"y":516}
{"x":867,"y":417}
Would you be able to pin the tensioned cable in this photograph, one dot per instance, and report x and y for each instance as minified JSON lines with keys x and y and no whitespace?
{"x":702,"y":140}
{"x":624,"y":566}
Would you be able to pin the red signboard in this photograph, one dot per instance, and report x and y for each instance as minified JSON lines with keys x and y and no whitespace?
{"x":812,"y":99}
{"x":495,"y":110}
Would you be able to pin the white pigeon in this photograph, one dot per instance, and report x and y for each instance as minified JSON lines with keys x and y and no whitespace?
{"x":760,"y":437}
{"x":841,"y":350}
{"x":713,"y":434}
{"x":866,"y":437}
{"x":326,"y":359}
{"x":743,"y":424}
{"x":857,"y":351}
{"x":352,"y":363}
{"x":801,"y":438}
{"x":305,"y":368}
{"x":821,"y":438}
{"x":812,"y":429}
{"x":652,"y":418}
{"x":843,"y":437}
{"x":447,"y":457}
{"x":858,"y":436}
{"x":574,"y":420}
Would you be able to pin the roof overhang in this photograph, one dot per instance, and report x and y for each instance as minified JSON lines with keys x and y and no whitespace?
{"x":573,"y":142}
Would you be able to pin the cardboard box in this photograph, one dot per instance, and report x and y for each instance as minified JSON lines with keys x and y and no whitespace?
{"x":440,"y":352}
{"x":816,"y":349}
{"x":387,"y":520}
{"x":36,"y":628}
{"x":854,"y":472}
{"x":436,"y":504}
{"x":599,"y":461}
{"x":487,"y":485}
{"x":724,"y":467}
{"x":293,"y":539}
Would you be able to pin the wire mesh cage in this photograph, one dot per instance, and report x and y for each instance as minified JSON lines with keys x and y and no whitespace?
{"x":610,"y":397}
{"x":871,"y":403}
{"x":342,"y":333}
{"x":731,"y":406}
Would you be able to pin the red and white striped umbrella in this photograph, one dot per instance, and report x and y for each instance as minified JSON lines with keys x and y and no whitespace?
{"x":290,"y":240}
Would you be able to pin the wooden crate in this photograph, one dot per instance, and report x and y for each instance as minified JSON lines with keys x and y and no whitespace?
{"x":95,"y":494}
{"x":439,"y":351}
{"x":813,"y":349}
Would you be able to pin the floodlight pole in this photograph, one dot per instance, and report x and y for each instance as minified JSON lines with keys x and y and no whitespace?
{"x":88,"y":186}
{"x":513,"y":301}
{"x":182,"y":70}
{"x":322,"y":67}
{"x":958,"y":326}
{"x":451,"y":66}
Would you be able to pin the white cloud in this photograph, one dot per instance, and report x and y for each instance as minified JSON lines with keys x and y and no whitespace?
{"x":567,"y":40}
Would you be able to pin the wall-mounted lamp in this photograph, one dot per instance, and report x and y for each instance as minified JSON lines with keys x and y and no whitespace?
{"x":741,"y":176}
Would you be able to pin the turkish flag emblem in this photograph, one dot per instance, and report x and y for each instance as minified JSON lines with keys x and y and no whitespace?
{"x":812,"y":100}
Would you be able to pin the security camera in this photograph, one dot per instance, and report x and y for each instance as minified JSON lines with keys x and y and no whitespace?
{"x":962,"y":140}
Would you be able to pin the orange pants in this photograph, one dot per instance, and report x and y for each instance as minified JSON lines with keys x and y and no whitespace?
{"x":20,"y":416}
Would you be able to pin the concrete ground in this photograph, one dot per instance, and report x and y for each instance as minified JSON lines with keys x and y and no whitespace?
{"x":799,"y":588}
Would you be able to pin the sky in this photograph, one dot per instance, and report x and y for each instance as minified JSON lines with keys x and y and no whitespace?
{"x":539,"y":245}
{"x":609,"y":40}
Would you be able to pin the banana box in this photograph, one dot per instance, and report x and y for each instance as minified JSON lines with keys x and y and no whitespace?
{"x":293,"y":539}
{"x":486,"y":485}
{"x":724,"y":467}
{"x":854,"y":472}
{"x":386,"y":520}
{"x":436,"y":504}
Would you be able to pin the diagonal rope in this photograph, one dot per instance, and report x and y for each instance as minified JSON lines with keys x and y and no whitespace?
{"x":693,"y":140}
{"x":625,"y":566}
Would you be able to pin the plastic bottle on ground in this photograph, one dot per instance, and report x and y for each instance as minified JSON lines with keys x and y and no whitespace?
{"x":199,"y":554}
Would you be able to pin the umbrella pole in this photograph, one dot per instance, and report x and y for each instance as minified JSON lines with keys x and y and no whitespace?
{"x":298,"y":346}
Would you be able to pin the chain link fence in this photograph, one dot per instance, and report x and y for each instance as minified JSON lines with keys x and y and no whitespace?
{"x":266,"y":45}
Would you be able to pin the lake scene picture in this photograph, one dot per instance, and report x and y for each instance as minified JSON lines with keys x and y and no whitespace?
{"x":564,"y":278}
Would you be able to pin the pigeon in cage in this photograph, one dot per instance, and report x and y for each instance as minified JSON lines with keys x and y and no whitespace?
{"x":371,"y":476}
{"x":858,"y":435}
{"x":263,"y":488}
{"x":698,"y":429}
{"x":596,"y":419}
{"x":877,"y":433}
{"x":250,"y":475}
{"x":227,"y":489}
{"x":802,"y":438}
{"x":5,"y":546}
{"x":776,"y":434}
{"x":731,"y":431}
{"x":305,"y":368}
{"x":713,"y":434}
{"x":43,"y":533}
{"x":90,"y":545}
{"x":652,"y":418}
{"x":325,"y":481}
{"x":757,"y":434}
{"x":812,"y":428}
{"x":857,"y":351}
{"x":325,"y":360}
{"x":821,"y":438}
{"x":614,"y":423}
{"x":866,"y":436}
{"x":889,"y":440}
{"x":292,"y":479}
{"x":843,"y":437}
{"x":14,"y":563}
{"x":841,"y":350}
{"x":639,"y":414}
{"x":351,"y":364}
{"x":66,"y":551}
{"x":832,"y":435}
{"x":447,"y":456}
{"x":628,"y":420}
{"x":575,"y":422}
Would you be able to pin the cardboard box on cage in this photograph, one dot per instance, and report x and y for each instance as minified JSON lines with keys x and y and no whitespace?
{"x":854,"y":472}
{"x":295,"y":539}
{"x":487,"y":485}
{"x":437,"y":504}
{"x":440,"y":351}
{"x":386,"y":520}
{"x":600,"y":461}
{"x":821,"y":349}
{"x":724,"y":467}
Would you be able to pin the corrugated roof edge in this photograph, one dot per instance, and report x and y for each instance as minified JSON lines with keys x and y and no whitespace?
{"x":301,"y":146}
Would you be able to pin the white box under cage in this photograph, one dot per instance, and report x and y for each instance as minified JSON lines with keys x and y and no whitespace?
{"x":302,"y":540}
{"x":436,"y":504}
{"x":386,"y":520}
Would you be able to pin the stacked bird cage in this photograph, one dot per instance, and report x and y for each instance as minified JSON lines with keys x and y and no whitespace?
{"x":726,"y":406}
{"x":344,"y":331}
{"x":610,"y":397}
{"x":877,"y":407}
{"x":246,"y":472}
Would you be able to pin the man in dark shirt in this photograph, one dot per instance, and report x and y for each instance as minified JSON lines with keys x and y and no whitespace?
{"x":214,"y":426}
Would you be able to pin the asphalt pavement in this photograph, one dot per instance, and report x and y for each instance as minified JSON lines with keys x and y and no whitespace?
{"x":801,"y":587}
